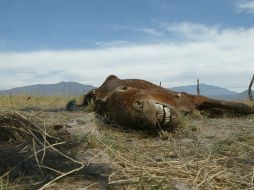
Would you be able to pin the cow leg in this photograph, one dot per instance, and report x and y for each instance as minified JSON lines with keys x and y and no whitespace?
{"x":234,"y":106}
{"x":73,"y":106}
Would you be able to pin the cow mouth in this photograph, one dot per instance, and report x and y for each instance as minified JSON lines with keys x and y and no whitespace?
{"x":163,"y":114}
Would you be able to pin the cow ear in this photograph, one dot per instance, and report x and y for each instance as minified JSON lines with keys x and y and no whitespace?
{"x":105,"y":99}
{"x":101,"y":101}
{"x":100,"y":105}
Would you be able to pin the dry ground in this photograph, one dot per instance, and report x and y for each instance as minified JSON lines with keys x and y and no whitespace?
{"x":204,"y":153}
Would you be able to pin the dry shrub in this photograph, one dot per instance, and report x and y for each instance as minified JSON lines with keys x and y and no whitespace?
{"x":30,"y":153}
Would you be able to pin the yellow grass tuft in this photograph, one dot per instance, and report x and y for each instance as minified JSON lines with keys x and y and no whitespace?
{"x":25,"y":101}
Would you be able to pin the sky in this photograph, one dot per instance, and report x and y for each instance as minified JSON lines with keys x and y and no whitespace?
{"x":169,"y":41}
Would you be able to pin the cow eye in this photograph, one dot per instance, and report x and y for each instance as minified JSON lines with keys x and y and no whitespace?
{"x":124,"y":88}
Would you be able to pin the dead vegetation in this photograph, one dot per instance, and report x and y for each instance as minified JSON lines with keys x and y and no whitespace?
{"x":25,"y":102}
{"x":184,"y":160}
{"x":29,"y":151}
{"x":50,"y":150}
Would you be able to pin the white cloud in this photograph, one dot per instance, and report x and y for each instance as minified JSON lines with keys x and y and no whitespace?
{"x":246,"y":5}
{"x":112,"y":43}
{"x":144,"y":30}
{"x":191,"y":31}
{"x":221,"y":57}
{"x":149,"y":31}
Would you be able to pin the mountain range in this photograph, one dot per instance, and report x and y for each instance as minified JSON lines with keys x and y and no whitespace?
{"x":59,"y":89}
{"x":213,"y":92}
{"x":76,"y":89}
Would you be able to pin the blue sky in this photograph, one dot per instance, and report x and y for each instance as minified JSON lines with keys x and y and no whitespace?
{"x":173,"y":41}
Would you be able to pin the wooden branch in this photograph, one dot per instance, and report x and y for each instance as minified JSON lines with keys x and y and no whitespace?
{"x":249,"y":90}
{"x":11,"y":101}
{"x":198,"y":90}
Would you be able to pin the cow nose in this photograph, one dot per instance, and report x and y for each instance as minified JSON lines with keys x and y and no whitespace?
{"x":138,"y":105}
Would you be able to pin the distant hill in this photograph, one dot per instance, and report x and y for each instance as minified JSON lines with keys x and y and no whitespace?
{"x":76,"y":89}
{"x":62,"y":88}
{"x":213,"y":92}
{"x":239,"y":96}
{"x":206,"y":90}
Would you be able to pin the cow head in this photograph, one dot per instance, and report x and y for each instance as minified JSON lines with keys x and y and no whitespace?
{"x":137,"y":108}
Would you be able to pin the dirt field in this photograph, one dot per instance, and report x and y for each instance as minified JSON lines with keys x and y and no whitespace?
{"x":203,"y":153}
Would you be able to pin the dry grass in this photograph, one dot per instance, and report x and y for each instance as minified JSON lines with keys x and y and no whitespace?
{"x":203,"y":153}
{"x":42,"y":102}
{"x":150,"y":162}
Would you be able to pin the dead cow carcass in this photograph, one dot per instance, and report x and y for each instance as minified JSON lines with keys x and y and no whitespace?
{"x":140,"y":104}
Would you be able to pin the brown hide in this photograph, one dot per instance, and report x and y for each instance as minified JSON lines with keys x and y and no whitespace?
{"x":141,"y":104}
{"x":184,"y":101}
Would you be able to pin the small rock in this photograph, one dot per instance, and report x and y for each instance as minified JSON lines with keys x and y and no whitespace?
{"x":95,"y":156}
{"x":182,"y":186}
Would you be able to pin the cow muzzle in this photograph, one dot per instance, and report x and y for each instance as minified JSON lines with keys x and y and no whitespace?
{"x":158,"y":114}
